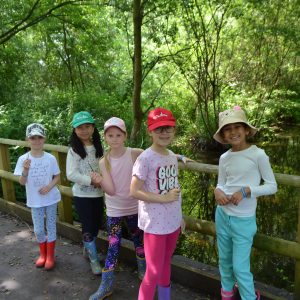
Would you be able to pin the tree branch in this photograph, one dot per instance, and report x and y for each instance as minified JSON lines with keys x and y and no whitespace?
{"x":23,"y":24}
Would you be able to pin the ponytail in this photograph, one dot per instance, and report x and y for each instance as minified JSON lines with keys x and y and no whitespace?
{"x":106,"y":161}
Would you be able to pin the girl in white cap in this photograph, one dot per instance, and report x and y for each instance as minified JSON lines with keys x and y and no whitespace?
{"x":120,"y":207}
{"x":39,"y":172}
{"x":241,"y":170}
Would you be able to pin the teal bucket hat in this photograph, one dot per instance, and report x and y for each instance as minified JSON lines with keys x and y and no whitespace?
{"x":82,"y":117}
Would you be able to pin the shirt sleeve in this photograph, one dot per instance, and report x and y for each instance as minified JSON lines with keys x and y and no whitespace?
{"x":221,"y":175}
{"x":72,"y":169}
{"x":55,"y":167}
{"x":19,"y":166}
{"x":140,"y":168}
{"x":269,"y":185}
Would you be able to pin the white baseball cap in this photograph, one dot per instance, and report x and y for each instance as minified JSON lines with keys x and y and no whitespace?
{"x":115,"y":122}
{"x":35,"y":129}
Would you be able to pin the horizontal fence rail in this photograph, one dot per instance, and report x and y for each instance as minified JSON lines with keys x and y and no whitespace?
{"x":263,"y":242}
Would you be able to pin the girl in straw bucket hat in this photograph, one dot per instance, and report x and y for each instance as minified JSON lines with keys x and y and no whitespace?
{"x":241,"y":170}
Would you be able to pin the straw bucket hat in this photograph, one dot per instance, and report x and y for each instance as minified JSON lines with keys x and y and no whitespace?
{"x":229,"y":116}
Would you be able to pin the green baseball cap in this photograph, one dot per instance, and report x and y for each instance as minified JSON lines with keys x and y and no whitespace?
{"x":82,"y":117}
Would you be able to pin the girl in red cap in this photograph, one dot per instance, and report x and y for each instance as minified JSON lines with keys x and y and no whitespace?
{"x":155,"y":184}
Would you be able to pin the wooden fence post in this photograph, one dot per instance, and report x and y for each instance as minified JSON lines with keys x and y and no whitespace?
{"x":65,"y":210}
{"x":7,"y":185}
{"x":297,"y":264}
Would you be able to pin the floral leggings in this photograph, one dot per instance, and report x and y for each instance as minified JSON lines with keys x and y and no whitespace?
{"x":114,"y":229}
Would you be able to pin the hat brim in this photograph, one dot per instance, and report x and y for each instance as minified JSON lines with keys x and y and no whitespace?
{"x":81,"y":123}
{"x":218,"y":137}
{"x":162,"y":123}
{"x":110,"y":126}
{"x":35,"y":134}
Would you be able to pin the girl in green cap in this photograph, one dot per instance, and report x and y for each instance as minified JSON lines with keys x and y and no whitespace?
{"x":83,"y":169}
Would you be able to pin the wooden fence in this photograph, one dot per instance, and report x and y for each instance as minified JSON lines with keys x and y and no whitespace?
{"x":271,"y":244}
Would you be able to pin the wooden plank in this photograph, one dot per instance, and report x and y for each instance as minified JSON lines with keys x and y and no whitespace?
{"x":65,"y":210}
{"x":7,"y":185}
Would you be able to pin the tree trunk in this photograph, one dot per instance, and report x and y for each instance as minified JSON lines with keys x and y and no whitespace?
{"x":137,"y":70}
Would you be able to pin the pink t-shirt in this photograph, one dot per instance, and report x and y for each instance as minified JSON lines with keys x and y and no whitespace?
{"x":121,"y":204}
{"x":160,"y":174}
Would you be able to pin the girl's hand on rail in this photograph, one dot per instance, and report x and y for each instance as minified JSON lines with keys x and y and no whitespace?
{"x":183,"y":158}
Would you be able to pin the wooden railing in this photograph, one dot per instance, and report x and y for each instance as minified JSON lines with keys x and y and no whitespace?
{"x":271,"y":244}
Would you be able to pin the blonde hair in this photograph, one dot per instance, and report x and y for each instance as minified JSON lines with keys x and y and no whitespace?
{"x":106,"y":161}
{"x":106,"y":154}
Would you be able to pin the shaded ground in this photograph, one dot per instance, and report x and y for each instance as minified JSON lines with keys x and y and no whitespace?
{"x":71,"y":279}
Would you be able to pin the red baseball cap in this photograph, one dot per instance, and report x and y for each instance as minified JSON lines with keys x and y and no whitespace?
{"x":159,"y":117}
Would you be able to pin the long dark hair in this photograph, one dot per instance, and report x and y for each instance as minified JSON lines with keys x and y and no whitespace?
{"x":78,"y":147}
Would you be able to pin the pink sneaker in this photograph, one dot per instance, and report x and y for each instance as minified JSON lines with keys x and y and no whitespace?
{"x":229,"y":295}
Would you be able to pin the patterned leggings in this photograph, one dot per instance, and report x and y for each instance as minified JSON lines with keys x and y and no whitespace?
{"x":114,"y":229}
{"x":38,"y":214}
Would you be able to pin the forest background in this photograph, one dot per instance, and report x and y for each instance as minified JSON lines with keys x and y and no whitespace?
{"x":196,"y":58}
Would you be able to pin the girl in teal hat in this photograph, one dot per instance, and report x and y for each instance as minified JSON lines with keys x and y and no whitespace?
{"x":83,"y":170}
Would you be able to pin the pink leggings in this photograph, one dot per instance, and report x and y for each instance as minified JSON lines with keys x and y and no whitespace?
{"x":158,"y":252}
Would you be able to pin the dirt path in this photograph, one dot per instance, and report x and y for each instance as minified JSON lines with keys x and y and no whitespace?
{"x":71,"y":279}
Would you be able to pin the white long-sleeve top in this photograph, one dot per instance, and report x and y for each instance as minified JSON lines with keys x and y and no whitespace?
{"x":246,"y":168}
{"x":78,"y":171}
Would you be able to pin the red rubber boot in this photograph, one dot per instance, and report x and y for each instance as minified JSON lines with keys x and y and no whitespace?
{"x":43,"y":255}
{"x":50,"y":261}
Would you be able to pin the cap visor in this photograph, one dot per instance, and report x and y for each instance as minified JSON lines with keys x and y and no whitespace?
{"x":82,"y":122}
{"x":161,"y":123}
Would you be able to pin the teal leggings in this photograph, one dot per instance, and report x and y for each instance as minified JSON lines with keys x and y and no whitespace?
{"x":235,"y":239}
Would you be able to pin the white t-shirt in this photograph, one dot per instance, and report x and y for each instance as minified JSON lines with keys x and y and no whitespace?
{"x":246,"y":168}
{"x":41,"y":172}
{"x":160,"y":174}
{"x":78,"y":171}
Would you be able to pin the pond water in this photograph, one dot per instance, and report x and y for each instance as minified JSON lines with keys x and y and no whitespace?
{"x":277,"y":215}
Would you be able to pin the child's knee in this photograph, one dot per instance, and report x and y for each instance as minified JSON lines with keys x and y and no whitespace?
{"x":87,"y":237}
{"x":40,"y":235}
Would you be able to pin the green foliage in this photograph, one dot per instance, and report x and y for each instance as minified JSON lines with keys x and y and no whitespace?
{"x":55,"y":110}
{"x":273,"y":268}
{"x":198,"y":58}
{"x":198,"y":247}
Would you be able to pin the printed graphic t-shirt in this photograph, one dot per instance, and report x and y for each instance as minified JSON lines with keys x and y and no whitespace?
{"x":160,"y":175}
{"x":41,"y":172}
